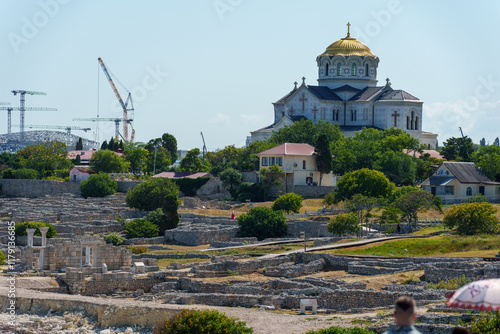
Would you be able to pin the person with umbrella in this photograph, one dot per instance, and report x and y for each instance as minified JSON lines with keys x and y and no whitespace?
{"x":404,"y":316}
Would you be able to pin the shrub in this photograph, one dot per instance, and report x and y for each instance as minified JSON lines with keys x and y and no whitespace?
{"x":21,"y":228}
{"x":367,"y":182}
{"x":98,"y":185}
{"x":472,"y":218}
{"x":189,"y":187}
{"x":288,"y":203}
{"x":343,"y":223}
{"x":8,"y":174}
{"x":340,"y":330}
{"x":249,"y":191}
{"x":141,"y":228}
{"x":488,"y":323}
{"x":114,"y":238}
{"x":202,"y":321}
{"x":451,"y":284}
{"x":157,"y":193}
{"x":138,"y":250}
{"x":157,"y":217}
{"x":2,"y":258}
{"x":26,"y":173}
{"x":262,"y":223}
{"x":478,"y":198}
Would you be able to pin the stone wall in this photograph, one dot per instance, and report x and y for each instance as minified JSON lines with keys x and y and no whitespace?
{"x":443,"y":271}
{"x":313,"y":229}
{"x":38,"y":188}
{"x":124,"y":186}
{"x":311,"y":191}
{"x":249,"y":177}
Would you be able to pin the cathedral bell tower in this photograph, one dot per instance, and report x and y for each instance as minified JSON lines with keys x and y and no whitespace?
{"x":347,"y":62}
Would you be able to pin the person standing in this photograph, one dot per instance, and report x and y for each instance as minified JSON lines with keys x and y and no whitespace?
{"x":404,"y":316}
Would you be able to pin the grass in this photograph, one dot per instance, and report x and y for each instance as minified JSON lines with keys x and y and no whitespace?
{"x":485,"y":245}
{"x":451,"y":284}
{"x":430,"y":230}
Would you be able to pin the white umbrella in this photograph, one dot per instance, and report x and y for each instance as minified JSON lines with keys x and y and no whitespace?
{"x":481,"y":295}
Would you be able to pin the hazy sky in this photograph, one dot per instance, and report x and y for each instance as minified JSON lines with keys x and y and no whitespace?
{"x":216,"y":66}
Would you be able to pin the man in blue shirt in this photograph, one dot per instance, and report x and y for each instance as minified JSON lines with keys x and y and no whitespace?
{"x":404,"y":316}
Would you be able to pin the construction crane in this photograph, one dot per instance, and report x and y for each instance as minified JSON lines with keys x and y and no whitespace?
{"x":204,"y":150}
{"x":124,"y":105}
{"x":103,"y":119}
{"x":67,"y":128}
{"x":9,"y":115}
{"x":22,"y":94}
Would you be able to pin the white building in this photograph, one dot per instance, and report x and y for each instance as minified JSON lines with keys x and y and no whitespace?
{"x":347,"y":94}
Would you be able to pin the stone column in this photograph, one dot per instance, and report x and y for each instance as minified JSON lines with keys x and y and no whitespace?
{"x":87,"y":257}
{"x":42,"y":259}
{"x":31,"y":232}
{"x":44,"y":231}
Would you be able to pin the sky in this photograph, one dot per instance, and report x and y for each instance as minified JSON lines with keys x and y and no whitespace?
{"x":216,"y":66}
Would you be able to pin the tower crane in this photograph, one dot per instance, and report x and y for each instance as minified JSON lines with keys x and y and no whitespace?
{"x":9,"y":115}
{"x":204,"y":149}
{"x":124,"y":105}
{"x":103,"y":119}
{"x":22,"y":95}
{"x":67,"y":128}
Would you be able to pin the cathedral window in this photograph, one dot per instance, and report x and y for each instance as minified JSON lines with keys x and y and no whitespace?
{"x":326,"y":68}
{"x":416,"y":123}
{"x":354,"y":69}
{"x":407,"y":122}
{"x":339,"y":69}
{"x":366,"y":70}
{"x":354,"y":115}
{"x":365,"y":114}
{"x":412,"y":121}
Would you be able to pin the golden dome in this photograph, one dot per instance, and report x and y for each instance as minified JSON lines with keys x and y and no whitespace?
{"x":348,"y":47}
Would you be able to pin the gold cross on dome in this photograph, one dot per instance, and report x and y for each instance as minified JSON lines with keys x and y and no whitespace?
{"x":348,"y":26}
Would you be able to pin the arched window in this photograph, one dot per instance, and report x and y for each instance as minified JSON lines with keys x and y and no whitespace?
{"x":366,"y":70}
{"x":407,"y":122}
{"x":412,"y":121}
{"x":354,"y":69}
{"x":339,"y":69}
{"x":416,"y":123}
{"x":469,"y":191}
{"x":326,"y":69}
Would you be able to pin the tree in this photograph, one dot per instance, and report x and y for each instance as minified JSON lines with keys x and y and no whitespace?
{"x":414,"y":202}
{"x":231,"y":179}
{"x":370,"y":183}
{"x":141,"y":228}
{"x":98,"y":185}
{"x":157,"y":193}
{"x":107,"y":161}
{"x":323,"y":156}
{"x":136,"y":157}
{"x":305,"y":131}
{"x":48,"y":156}
{"x":488,"y":160}
{"x":170,"y":144}
{"x":496,"y":142}
{"x":79,"y":145}
{"x":26,"y":173}
{"x":192,"y":162}
{"x":158,"y":161}
{"x":472,"y":218}
{"x":104,"y":145}
{"x":262,"y":223}
{"x":221,"y":160}
{"x":20,"y":229}
{"x":247,"y":158}
{"x":399,"y":167}
{"x":344,"y":223}
{"x":482,"y":142}
{"x":361,"y":206}
{"x":459,"y":149}
{"x":9,"y":160}
{"x":269,"y":179}
{"x":288,"y":203}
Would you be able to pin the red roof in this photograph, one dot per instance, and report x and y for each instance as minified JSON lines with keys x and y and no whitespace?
{"x":85,"y":155}
{"x":180,"y":175}
{"x":290,"y":149}
{"x":432,"y":153}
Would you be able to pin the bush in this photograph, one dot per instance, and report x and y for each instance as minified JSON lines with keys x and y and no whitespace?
{"x":98,"y":185}
{"x":472,"y":218}
{"x":157,"y":193}
{"x":262,"y":223}
{"x":367,"y":182}
{"x":157,"y":217}
{"x":478,"y":198}
{"x":340,"y":330}
{"x":141,"y":228}
{"x":488,"y":323}
{"x":288,"y":203}
{"x":451,"y":284}
{"x":343,"y":223}
{"x":8,"y":174}
{"x":2,"y":258}
{"x":249,"y":191}
{"x":189,"y":187}
{"x":138,"y":250}
{"x":202,"y":321}
{"x":114,"y":238}
{"x":21,"y":228}
{"x":26,"y":173}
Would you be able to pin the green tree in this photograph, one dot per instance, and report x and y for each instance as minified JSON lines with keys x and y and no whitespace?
{"x":361,"y":206}
{"x":114,"y":238}
{"x":223,"y":159}
{"x":158,"y":161}
{"x":414,"y":202}
{"x":137,"y":158}
{"x":104,"y":145}
{"x":459,"y":149}
{"x":192,"y":162}
{"x":78,"y":160}
{"x":141,"y":228}
{"x":344,"y":223}
{"x":79,"y":144}
{"x":305,"y":131}
{"x":231,"y":179}
{"x":390,"y":215}
{"x":202,"y":321}
{"x":107,"y":161}
{"x":47,"y":156}
{"x":98,"y":185}
{"x":20,"y":229}
{"x":487,"y":158}
{"x":169,"y":143}
{"x":482,"y":142}
{"x":399,"y":167}
{"x":247,"y":159}
{"x":26,"y":173}
{"x":262,"y":223}
{"x":472,"y":218}
{"x":323,"y":156}
{"x":269,"y":179}
{"x":9,"y":160}
{"x":288,"y":203}
{"x":370,"y":183}
{"x":496,"y":142}
{"x":157,"y":193}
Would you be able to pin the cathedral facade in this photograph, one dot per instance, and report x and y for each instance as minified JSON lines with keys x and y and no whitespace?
{"x":347,"y":94}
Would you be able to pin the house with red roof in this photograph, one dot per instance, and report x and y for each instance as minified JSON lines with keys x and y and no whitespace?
{"x":298,"y":162}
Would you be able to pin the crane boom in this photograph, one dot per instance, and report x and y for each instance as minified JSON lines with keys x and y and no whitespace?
{"x":104,"y":119}
{"x":118,"y":96}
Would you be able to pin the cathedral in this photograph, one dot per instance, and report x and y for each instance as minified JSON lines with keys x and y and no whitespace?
{"x":347,"y":94}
